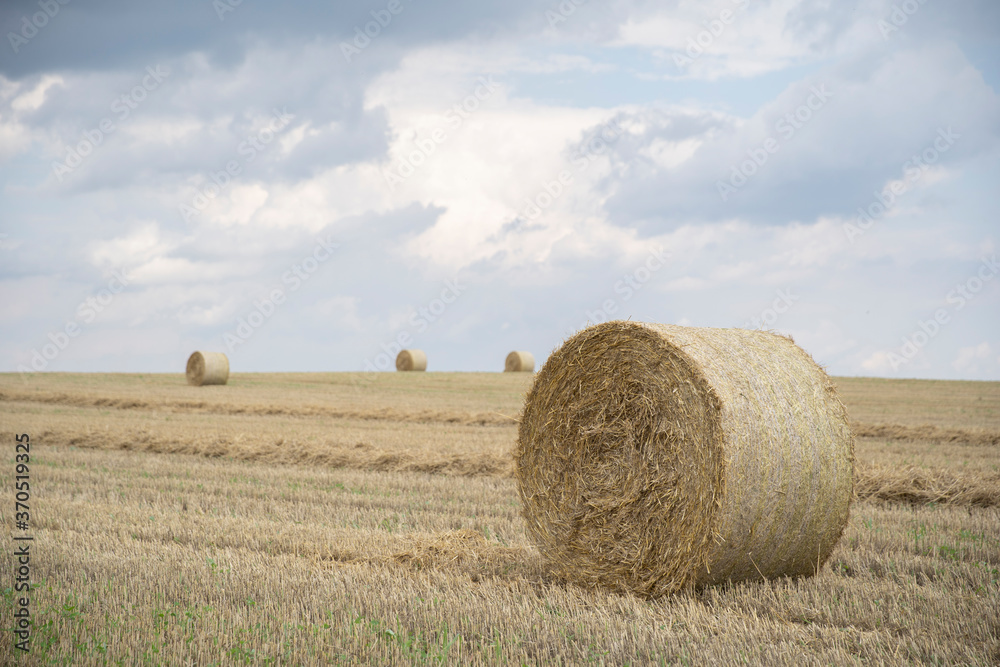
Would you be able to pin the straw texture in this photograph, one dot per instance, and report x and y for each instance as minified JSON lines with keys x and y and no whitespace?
{"x":653,"y":457}
{"x":519,"y":362}
{"x":207,"y":368}
{"x":411,"y":360}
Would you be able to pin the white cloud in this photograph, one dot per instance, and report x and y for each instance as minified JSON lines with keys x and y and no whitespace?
{"x":237,"y":204}
{"x":736,"y":252}
{"x":33,"y":99}
{"x":179,"y":270}
{"x":728,"y":38}
{"x":143,"y":245}
{"x":311,"y":204}
{"x":15,"y":136}
{"x":670,"y":154}
{"x":878,"y":363}
{"x":496,"y":156}
{"x":975,"y":360}
{"x":143,"y":132}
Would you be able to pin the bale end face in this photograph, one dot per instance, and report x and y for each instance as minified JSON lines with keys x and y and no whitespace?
{"x":207,"y":368}
{"x":652,"y":457}
{"x":519,"y":362}
{"x":411,"y":360}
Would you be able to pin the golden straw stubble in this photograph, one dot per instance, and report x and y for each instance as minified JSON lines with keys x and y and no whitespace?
{"x":519,"y":362}
{"x":654,"y":457}
{"x":207,"y":368}
{"x":411,"y":360}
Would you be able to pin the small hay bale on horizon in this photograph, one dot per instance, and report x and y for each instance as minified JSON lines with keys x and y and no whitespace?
{"x":653,"y":458}
{"x":519,"y":362}
{"x":411,"y":360}
{"x":207,"y":368}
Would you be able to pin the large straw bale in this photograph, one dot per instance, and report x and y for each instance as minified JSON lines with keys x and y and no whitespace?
{"x":653,"y":457}
{"x":207,"y":368}
{"x":411,"y":360}
{"x":519,"y":362}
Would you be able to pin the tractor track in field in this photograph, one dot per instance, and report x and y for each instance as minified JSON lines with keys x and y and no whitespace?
{"x":262,"y":409}
{"x":920,"y":433}
{"x":905,"y":485}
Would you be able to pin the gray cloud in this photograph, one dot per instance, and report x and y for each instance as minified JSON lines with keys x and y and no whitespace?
{"x":107,"y":34}
{"x":880,"y":112}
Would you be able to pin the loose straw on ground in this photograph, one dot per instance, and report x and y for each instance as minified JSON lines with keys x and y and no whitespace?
{"x":207,"y":368}
{"x":653,"y":457}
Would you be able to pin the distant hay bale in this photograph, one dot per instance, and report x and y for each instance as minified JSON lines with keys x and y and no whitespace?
{"x":653,"y":457}
{"x":519,"y":362}
{"x":411,"y":360}
{"x":207,"y":368}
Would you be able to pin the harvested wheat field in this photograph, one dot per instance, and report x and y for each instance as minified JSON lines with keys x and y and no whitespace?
{"x":375,"y":519}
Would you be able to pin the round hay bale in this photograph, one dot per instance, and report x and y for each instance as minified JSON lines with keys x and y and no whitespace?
{"x":653,"y":457}
{"x":411,"y":360}
{"x":207,"y":368}
{"x":519,"y":362}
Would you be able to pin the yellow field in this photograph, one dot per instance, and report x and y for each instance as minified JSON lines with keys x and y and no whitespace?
{"x":372,"y":519}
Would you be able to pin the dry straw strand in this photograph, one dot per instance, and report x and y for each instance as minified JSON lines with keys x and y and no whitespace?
{"x":411,"y":360}
{"x":207,"y":368}
{"x":653,"y":457}
{"x":519,"y":362}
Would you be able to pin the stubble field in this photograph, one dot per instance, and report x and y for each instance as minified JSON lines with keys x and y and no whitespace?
{"x":373,"y":519}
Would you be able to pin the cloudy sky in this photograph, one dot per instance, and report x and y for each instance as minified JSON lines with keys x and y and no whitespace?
{"x":304,"y":187}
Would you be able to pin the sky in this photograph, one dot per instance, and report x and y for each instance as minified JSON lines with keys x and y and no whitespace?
{"x":312,"y":186}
